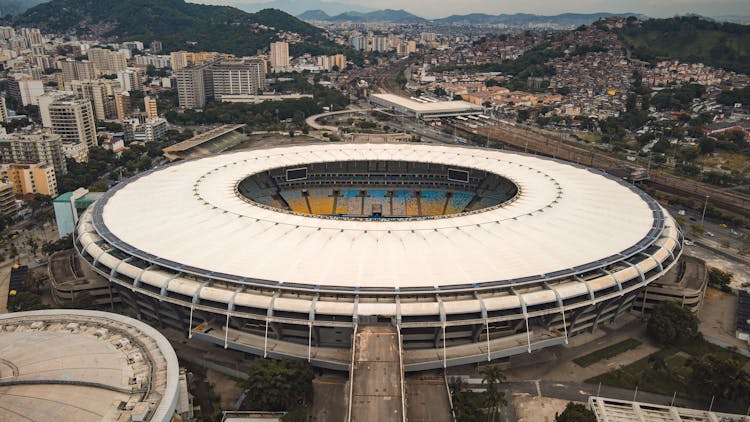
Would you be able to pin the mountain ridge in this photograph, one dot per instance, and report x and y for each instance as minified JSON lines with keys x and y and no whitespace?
{"x":180,"y":25}
{"x":402,"y":16}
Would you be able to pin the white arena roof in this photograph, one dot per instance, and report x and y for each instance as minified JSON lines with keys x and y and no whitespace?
{"x":78,"y":365}
{"x":188,"y":217}
{"x":425,"y":108}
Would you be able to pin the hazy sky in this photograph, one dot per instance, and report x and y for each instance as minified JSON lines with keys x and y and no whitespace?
{"x":442,"y":8}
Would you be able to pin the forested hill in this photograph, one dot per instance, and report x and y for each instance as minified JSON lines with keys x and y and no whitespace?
{"x":690,"y":39}
{"x":178,"y":24}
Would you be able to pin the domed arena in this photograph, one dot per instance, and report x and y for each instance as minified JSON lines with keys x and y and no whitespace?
{"x":471,"y":254}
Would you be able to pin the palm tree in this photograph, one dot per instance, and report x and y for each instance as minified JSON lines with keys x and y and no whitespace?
{"x":492,"y":376}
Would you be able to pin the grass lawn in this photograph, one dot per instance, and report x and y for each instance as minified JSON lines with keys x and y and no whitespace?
{"x":607,"y":352}
{"x":675,"y":378}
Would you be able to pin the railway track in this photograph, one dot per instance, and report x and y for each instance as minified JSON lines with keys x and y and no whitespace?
{"x":525,"y":140}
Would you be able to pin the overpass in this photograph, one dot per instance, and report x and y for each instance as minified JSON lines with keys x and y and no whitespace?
{"x":312,"y":121}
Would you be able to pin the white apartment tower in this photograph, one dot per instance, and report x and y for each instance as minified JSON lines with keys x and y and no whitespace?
{"x":74,"y":121}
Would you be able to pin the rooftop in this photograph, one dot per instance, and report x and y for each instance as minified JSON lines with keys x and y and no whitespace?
{"x":202,"y":138}
{"x":427,"y":107}
{"x":76,"y":365}
{"x":566,"y":219}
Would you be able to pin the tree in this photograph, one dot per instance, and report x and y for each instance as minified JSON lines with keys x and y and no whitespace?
{"x":671,"y":324}
{"x":466,"y":404}
{"x":277,"y":385}
{"x":25,"y":301}
{"x":492,"y":376}
{"x":721,"y":377}
{"x":719,"y":277}
{"x":575,"y":412}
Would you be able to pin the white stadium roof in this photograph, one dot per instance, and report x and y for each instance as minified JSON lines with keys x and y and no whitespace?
{"x":427,"y":107}
{"x":190,"y":214}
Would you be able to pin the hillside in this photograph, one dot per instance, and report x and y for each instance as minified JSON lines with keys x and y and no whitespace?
{"x":387,"y":15}
{"x":690,"y":39}
{"x":298,"y":7}
{"x":314,"y":15}
{"x":14,"y":7}
{"x":178,"y":24}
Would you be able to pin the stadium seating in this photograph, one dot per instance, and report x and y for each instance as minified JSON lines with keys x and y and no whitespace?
{"x":321,"y":201}
{"x":458,"y":202}
{"x":296,"y":201}
{"x":432,"y":202}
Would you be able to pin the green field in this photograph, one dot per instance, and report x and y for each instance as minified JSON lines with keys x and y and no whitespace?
{"x":607,"y":352}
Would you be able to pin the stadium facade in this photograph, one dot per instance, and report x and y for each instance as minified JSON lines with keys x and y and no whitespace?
{"x":472,"y":254}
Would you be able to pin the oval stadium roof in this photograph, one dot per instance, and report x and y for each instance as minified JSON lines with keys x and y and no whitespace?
{"x":189,"y":215}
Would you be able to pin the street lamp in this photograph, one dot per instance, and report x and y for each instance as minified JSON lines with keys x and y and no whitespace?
{"x":703,"y":216}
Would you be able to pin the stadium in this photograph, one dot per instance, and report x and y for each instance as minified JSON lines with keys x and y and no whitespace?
{"x":471,"y":254}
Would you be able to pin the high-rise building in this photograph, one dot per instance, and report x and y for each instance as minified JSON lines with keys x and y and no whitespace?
{"x":159,"y":62}
{"x":42,"y":148}
{"x":339,"y":60}
{"x":428,"y":37}
{"x":74,"y":121}
{"x":181,"y":60}
{"x":411,"y":47}
{"x":237,"y":77}
{"x":77,"y":70}
{"x":30,"y":178}
{"x":7,"y":32}
{"x":100,"y":92}
{"x":150,"y":107}
{"x":25,"y":90}
{"x":156,"y":47}
{"x":3,"y":110}
{"x":279,"y":55}
{"x":8,"y":206}
{"x":107,"y":61}
{"x":191,"y":86}
{"x":123,"y":105}
{"x":196,"y":84}
{"x":33,"y":36}
{"x":129,"y":80}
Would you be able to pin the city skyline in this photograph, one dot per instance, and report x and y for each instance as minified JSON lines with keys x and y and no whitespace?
{"x":435,"y":9}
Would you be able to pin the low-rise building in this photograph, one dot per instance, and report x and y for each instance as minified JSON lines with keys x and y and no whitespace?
{"x":30,"y":178}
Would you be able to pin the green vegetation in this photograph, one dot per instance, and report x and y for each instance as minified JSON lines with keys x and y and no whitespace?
{"x":532,"y":63}
{"x":734,"y":96}
{"x":178,"y":24}
{"x":719,"y":277}
{"x":269,"y":114}
{"x":720,"y":376}
{"x":469,"y":406}
{"x":677,"y":99}
{"x":670,"y":324}
{"x":671,"y":370}
{"x":690,"y":39}
{"x":401,"y":79}
{"x":277,"y":385}
{"x":607,"y":352}
{"x":575,"y":412}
